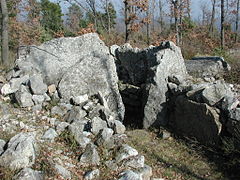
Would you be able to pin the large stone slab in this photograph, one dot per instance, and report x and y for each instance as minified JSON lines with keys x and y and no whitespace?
{"x":91,"y":75}
{"x":163,"y":61}
{"x":197,"y":120}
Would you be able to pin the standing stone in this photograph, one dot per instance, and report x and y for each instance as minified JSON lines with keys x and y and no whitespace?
{"x":94,"y":74}
{"x":164,"y":61}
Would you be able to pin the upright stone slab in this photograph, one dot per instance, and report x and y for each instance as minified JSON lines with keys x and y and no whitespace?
{"x":91,"y":75}
{"x":163,"y":61}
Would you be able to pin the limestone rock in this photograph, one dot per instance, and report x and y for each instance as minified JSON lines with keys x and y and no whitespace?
{"x":207,"y":67}
{"x":75,"y":114}
{"x":23,"y":97}
{"x":50,"y":135}
{"x":14,"y":85}
{"x":130,"y":175}
{"x":90,"y":156}
{"x":38,"y":99}
{"x":215,"y":92}
{"x":95,"y":74}
{"x":118,"y":127}
{"x":90,"y":175}
{"x":97,"y":124}
{"x":36,"y":84}
{"x":2,"y":144}
{"x":20,"y":152}
{"x":163,"y":61}
{"x":29,"y":174}
{"x":196,"y":120}
{"x":62,"y":171}
{"x":125,"y":152}
{"x":78,"y":100}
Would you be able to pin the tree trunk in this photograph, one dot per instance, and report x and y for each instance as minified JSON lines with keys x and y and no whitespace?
{"x":161,"y":15}
{"x":237,"y":20}
{"x":189,"y":9}
{"x":212,"y":17}
{"x":127,"y":23}
{"x":148,"y":24}
{"x":222,"y":25}
{"x":109,"y":18}
{"x":176,"y":18}
{"x":5,"y":47}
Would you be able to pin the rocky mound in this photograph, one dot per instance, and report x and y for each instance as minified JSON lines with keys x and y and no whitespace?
{"x":73,"y":114}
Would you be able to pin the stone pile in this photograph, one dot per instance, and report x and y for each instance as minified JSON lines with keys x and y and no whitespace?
{"x":76,"y":78}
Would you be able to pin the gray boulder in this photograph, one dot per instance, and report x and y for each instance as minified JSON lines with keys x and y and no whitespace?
{"x":91,"y":75}
{"x":79,"y":65}
{"x":163,"y":61}
{"x":90,"y":175}
{"x":38,"y":99}
{"x":14,"y":85}
{"x":62,"y":171}
{"x":196,"y":120}
{"x":215,"y":92}
{"x":130,"y":175}
{"x":104,"y":136}
{"x":50,"y":135}
{"x":75,"y":114}
{"x":135,"y":162}
{"x":29,"y":174}
{"x":20,"y":152}
{"x":97,"y":124}
{"x":61,"y":127}
{"x":24,"y":97}
{"x":90,"y":156}
{"x":79,"y":100}
{"x":2,"y":144}
{"x":55,"y":57}
{"x":125,"y":152}
{"x":36,"y":85}
{"x":205,"y":67}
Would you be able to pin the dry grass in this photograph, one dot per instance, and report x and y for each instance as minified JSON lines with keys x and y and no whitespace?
{"x":173,"y":159}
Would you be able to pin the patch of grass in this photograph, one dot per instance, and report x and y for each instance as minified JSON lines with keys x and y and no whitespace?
{"x":44,"y":164}
{"x":173,"y":159}
{"x":6,"y":173}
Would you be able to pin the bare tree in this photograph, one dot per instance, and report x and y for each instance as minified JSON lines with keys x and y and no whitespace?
{"x":92,"y":6}
{"x":175,"y":6}
{"x":237,"y":20}
{"x":222,"y":24}
{"x":5,"y":45}
{"x":160,"y":14}
{"x":212,"y":16}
